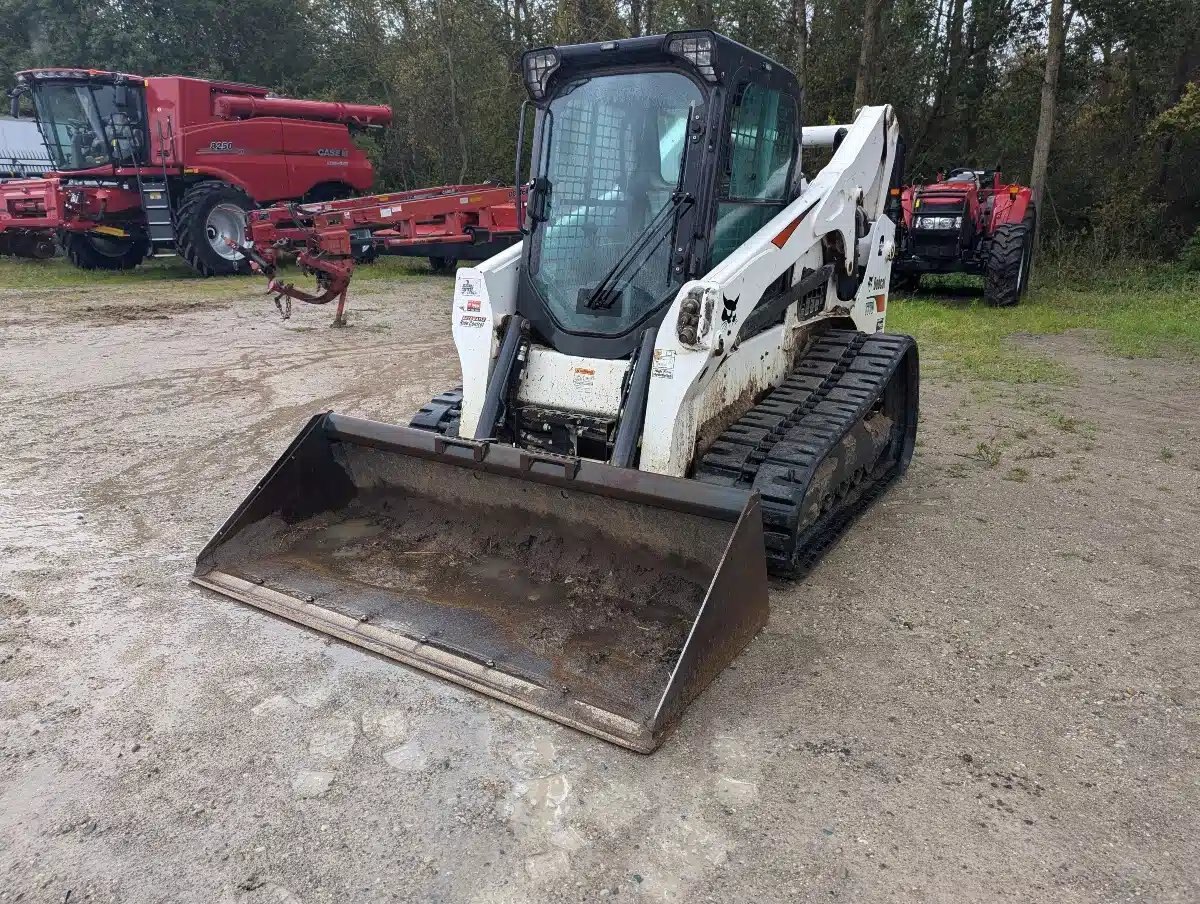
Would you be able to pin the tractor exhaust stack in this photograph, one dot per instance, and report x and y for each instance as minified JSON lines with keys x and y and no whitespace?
{"x":603,"y":598}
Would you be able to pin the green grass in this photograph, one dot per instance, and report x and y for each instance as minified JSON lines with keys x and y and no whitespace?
{"x":1142,"y":311}
{"x":58,"y":272}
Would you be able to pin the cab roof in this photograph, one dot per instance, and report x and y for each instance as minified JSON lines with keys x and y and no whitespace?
{"x":66,"y":73}
{"x":679,"y":48}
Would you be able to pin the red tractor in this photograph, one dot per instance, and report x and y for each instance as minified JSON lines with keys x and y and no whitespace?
{"x":171,"y":165}
{"x":968,"y":222}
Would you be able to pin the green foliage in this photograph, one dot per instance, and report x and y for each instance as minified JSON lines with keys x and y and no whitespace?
{"x":1190,"y":256}
{"x":1184,"y":117}
{"x":963,"y":76}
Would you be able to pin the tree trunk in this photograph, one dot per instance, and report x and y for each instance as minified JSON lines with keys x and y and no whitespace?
{"x":948,"y":95}
{"x":867,"y":52}
{"x":452,"y":85}
{"x":1045,"y":132}
{"x":635,"y":18}
{"x":798,"y":30}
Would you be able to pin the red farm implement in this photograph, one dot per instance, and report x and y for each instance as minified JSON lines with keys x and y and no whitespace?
{"x":445,"y":224}
{"x":968,"y":222}
{"x":171,"y":165}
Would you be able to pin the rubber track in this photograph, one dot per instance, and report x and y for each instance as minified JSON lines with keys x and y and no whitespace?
{"x":440,"y":414}
{"x":776,"y":447}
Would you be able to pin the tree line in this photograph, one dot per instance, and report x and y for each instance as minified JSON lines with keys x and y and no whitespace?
{"x":1111,"y":86}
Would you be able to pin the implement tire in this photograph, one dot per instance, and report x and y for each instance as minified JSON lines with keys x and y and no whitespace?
{"x":1008,"y":262}
{"x":89,"y":251}
{"x":209,"y":216}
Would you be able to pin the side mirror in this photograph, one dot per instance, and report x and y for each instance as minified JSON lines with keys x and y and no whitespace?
{"x":14,"y":106}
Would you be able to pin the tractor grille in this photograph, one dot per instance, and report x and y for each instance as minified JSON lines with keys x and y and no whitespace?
{"x":934,"y":247}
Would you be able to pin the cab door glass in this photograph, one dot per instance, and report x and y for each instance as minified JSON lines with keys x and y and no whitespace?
{"x":757,"y":173}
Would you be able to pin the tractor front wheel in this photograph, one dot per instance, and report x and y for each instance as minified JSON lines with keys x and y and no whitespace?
{"x":443,"y":264}
{"x":93,"y":251}
{"x":1008,"y":265}
{"x":210,"y":224}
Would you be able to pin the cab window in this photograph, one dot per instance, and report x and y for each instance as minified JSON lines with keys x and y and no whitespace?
{"x":758,"y":161}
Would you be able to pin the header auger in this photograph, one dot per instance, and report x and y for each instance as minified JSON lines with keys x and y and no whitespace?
{"x":676,"y":382}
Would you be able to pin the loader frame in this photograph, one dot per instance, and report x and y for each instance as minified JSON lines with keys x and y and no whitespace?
{"x":585,"y":530}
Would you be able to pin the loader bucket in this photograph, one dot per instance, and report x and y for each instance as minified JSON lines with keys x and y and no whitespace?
{"x":603,"y":598}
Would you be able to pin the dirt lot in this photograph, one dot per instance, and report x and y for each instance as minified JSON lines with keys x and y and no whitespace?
{"x":987,"y":692}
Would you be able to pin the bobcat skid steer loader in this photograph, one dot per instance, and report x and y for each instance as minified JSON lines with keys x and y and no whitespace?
{"x":676,"y":383}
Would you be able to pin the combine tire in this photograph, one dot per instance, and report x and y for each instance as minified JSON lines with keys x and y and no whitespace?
{"x":90,"y":251}
{"x":441,"y":415}
{"x":1008,"y":264}
{"x":211,"y":215}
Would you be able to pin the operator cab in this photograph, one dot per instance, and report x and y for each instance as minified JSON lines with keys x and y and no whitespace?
{"x":653,"y":159}
{"x":88,"y":119}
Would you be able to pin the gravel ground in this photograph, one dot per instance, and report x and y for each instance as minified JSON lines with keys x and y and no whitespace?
{"x":986,"y":692}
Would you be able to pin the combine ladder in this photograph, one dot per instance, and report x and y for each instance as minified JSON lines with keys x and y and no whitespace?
{"x":156,"y":202}
{"x":160,"y":222}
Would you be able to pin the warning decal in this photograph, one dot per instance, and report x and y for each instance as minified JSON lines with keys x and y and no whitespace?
{"x":664,"y":363}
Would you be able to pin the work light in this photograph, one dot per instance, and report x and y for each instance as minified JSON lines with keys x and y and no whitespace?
{"x":539,"y":66}
{"x":697,"y":49}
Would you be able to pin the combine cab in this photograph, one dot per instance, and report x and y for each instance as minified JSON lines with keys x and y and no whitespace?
{"x":170,"y":165}
{"x":968,"y":222}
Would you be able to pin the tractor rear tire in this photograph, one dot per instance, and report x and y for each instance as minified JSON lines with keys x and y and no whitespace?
{"x":211,"y":215}
{"x":1030,"y":223}
{"x":89,"y":251}
{"x":1008,"y":262}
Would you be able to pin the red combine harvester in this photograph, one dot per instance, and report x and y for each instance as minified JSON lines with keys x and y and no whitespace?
{"x":446,"y":224}
{"x":165,"y":165}
{"x":968,"y":222}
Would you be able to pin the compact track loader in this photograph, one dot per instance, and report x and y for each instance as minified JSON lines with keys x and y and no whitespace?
{"x":676,"y":383}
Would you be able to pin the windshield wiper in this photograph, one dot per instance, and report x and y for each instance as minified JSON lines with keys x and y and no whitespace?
{"x":605,"y":294}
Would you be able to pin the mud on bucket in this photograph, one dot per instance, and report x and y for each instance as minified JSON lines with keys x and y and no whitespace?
{"x":603,"y":598}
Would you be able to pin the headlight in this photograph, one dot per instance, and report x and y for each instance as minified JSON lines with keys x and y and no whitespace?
{"x":939,"y":222}
{"x":695,"y":47}
{"x":539,"y":66}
